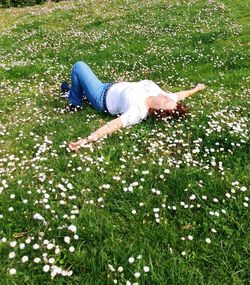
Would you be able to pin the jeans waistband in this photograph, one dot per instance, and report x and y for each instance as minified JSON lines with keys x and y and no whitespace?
{"x":105,"y":95}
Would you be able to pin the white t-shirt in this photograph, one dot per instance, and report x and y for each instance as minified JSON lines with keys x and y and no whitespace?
{"x":128,"y":100}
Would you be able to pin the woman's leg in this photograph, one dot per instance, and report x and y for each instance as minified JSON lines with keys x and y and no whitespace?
{"x":85,"y":82}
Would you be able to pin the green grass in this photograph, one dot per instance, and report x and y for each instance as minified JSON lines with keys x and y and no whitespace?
{"x":155,"y":192}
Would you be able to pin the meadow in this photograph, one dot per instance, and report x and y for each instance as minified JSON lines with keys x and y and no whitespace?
{"x":162,"y":202}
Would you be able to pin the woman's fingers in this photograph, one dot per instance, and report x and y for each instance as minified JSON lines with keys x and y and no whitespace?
{"x":74,"y":146}
{"x":201,"y":86}
{"x":77,"y":145}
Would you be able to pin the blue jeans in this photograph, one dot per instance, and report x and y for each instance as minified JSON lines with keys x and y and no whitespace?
{"x":85,"y":83}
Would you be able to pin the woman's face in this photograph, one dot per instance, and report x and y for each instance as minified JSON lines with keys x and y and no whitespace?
{"x":165,"y":102}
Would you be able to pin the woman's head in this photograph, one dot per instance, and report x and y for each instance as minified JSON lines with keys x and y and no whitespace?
{"x":179,"y":111}
{"x":162,"y":102}
{"x":166,"y":105}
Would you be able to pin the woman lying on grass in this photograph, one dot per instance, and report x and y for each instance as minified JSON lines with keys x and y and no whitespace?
{"x":133,"y":101}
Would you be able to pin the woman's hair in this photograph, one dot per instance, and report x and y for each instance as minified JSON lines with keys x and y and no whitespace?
{"x":180,"y":111}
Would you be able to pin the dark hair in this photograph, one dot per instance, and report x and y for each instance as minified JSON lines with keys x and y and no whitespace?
{"x":180,"y":111}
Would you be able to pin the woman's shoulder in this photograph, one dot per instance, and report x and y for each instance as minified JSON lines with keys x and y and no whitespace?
{"x":148,"y":81}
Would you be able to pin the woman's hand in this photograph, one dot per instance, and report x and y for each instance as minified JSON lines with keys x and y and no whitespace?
{"x":200,"y":87}
{"x":75,"y":146}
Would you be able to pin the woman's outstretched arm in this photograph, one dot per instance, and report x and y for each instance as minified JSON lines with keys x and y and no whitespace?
{"x":184,"y":94}
{"x":108,"y":128}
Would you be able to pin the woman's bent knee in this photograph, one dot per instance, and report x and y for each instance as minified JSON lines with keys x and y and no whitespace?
{"x":79,"y":64}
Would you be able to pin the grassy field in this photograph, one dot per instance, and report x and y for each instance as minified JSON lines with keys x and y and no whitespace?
{"x":158,"y":203}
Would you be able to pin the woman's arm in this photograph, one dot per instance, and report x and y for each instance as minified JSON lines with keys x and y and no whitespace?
{"x":108,"y":128}
{"x":183,"y":94}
